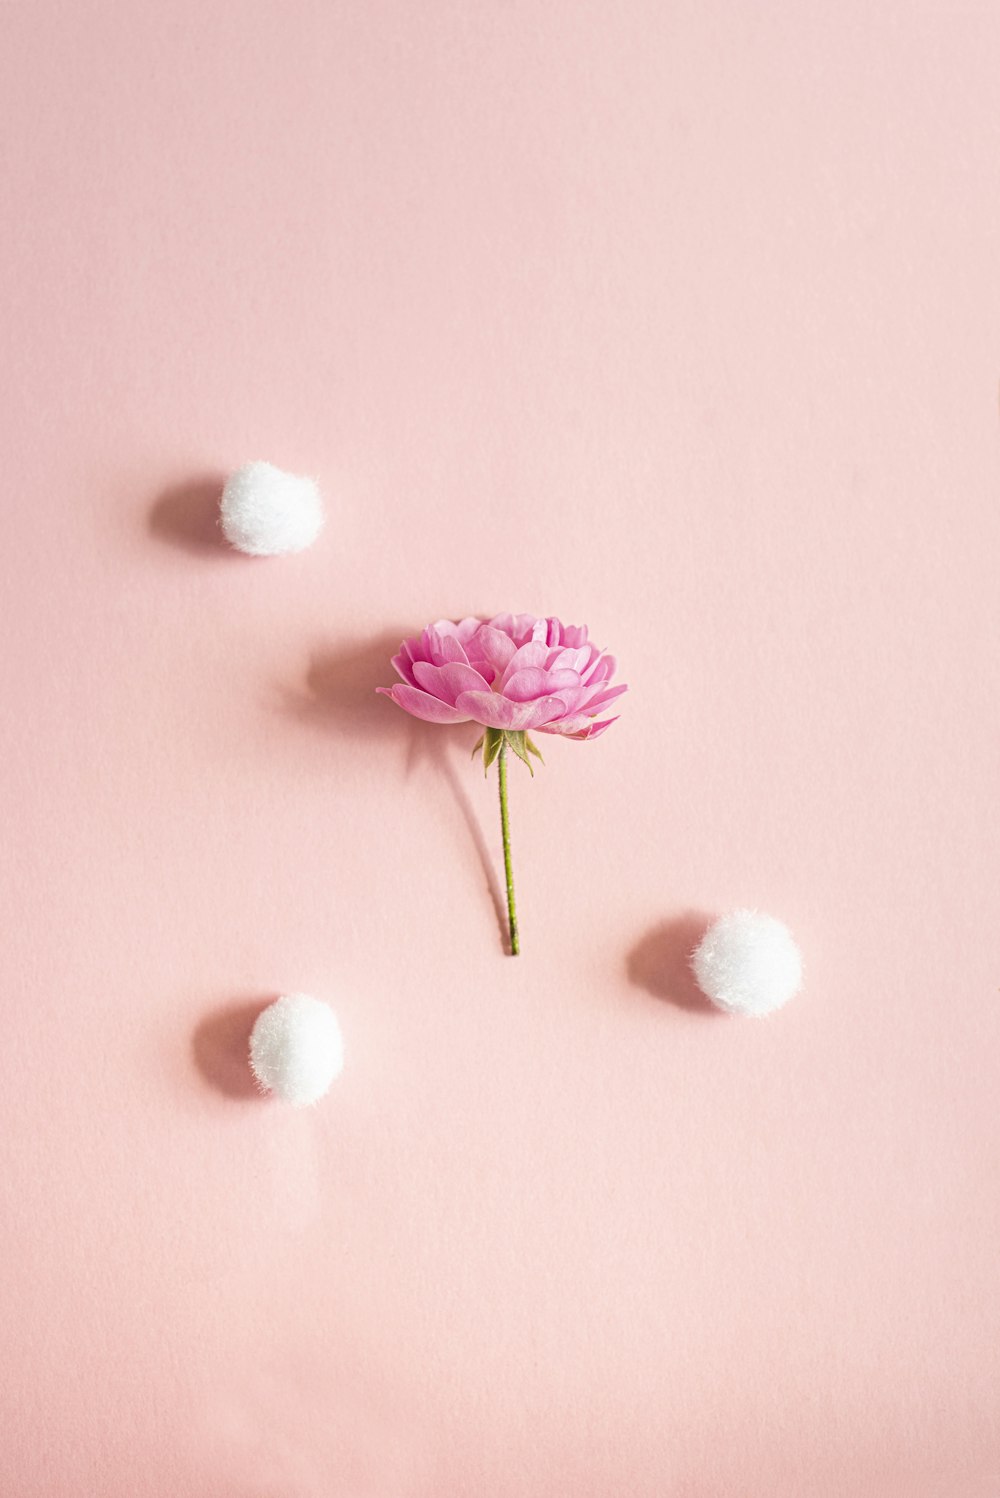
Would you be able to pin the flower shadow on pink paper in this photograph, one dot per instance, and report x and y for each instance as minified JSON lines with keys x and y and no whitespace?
{"x":340,"y":698}
{"x":661,"y":962}
{"x":220,"y":1047}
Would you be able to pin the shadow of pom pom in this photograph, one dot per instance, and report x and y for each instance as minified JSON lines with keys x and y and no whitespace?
{"x":660,"y":962}
{"x":221,"y":1047}
{"x":187,"y":515}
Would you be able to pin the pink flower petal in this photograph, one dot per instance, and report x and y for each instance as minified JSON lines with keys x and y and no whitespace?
{"x":445,"y":682}
{"x":494,"y":711}
{"x":453,"y":650}
{"x":572,"y":700}
{"x":573,"y":660}
{"x":532,"y":683}
{"x":608,"y":694}
{"x":522,"y":628}
{"x":403,"y":663}
{"x":595,"y":730}
{"x":566,"y":724}
{"x":579,"y":727}
{"x":422,"y":705}
{"x":517,"y":626}
{"x":414,"y":648}
{"x":534,"y":653}
{"x":442,"y":644}
{"x":602,"y":670}
{"x":491,"y":647}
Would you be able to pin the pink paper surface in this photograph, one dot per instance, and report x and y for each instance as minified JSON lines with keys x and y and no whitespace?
{"x":677,"y":319}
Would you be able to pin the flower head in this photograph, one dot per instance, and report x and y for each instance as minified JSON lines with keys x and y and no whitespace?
{"x":512,"y":673}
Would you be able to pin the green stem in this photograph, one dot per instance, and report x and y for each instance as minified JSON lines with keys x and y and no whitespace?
{"x":515,"y":945}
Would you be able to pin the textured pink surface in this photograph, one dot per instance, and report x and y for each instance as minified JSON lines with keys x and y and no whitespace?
{"x":680,"y":319}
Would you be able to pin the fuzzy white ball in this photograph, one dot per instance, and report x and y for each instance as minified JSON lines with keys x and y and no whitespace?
{"x":268,"y":513}
{"x":748,"y":963}
{"x":296,"y":1049}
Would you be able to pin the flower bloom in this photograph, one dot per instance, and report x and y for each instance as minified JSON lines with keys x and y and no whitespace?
{"x":512,"y":672}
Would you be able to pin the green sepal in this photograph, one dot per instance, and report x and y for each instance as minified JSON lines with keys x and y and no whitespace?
{"x":517,"y":739}
{"x":492,"y":744}
{"x":478,"y":745}
{"x":533,"y":749}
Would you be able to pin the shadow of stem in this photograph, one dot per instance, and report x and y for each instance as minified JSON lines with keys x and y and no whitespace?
{"x":340,"y":698}
{"x":490,"y":875}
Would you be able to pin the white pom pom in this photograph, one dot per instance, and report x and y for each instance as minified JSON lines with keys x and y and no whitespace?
{"x":267,"y":513}
{"x":748,"y":963}
{"x":296,"y":1048}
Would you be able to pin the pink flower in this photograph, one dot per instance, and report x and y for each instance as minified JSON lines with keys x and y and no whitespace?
{"x":512,"y":673}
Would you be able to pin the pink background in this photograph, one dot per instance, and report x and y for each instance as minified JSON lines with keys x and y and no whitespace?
{"x":680,"y":319}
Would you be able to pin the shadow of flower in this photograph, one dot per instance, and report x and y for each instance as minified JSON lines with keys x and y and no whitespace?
{"x":661,"y":962}
{"x":340,"y":697}
{"x":340,"y":693}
